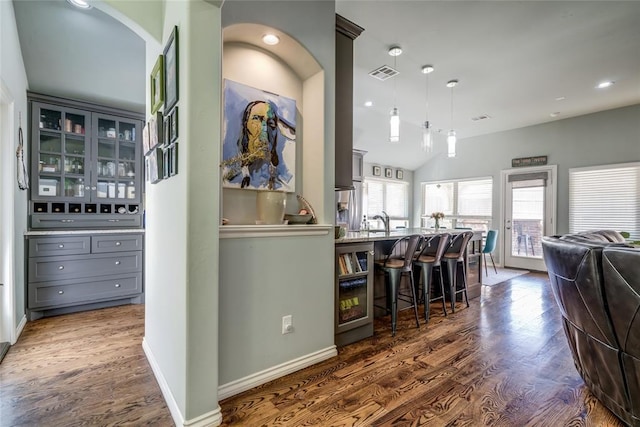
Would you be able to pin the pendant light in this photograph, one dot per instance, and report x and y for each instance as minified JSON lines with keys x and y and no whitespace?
{"x":451,"y":135}
{"x":427,"y":138}
{"x":394,"y":122}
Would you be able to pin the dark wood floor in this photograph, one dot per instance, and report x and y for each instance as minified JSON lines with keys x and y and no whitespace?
{"x":501,"y":362}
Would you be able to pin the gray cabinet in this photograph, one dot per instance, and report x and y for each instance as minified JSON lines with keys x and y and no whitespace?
{"x":77,"y":272}
{"x":358,"y":165}
{"x":86,"y":160}
{"x":346,"y":33}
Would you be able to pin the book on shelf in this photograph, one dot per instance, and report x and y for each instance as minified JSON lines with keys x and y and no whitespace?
{"x":348,"y":263}
{"x":362,"y":261}
{"x":342,"y":266}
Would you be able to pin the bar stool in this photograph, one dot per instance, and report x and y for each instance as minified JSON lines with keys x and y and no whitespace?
{"x":454,"y":256}
{"x":429,"y":261}
{"x":393,"y":269}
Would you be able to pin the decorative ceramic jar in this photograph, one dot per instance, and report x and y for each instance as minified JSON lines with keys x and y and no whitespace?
{"x":270,"y":206}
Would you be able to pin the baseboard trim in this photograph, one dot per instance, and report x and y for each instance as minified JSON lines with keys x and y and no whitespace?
{"x":254,"y":380}
{"x":20,"y":328}
{"x":210,"y":419}
{"x":213,"y":418}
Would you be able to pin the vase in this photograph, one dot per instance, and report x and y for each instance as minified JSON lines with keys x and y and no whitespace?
{"x":270,"y":206}
{"x":437,"y":224}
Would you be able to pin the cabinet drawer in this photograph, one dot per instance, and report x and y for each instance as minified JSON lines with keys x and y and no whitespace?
{"x":72,"y":266}
{"x":116,"y":243}
{"x":86,"y":221}
{"x":68,"y":292}
{"x":59,"y":245}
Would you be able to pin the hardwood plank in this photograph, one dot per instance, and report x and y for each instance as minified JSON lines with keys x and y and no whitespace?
{"x":503,"y":361}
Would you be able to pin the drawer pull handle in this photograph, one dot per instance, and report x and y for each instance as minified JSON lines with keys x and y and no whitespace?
{"x":117,"y":262}
{"x":61,"y":246}
{"x":118,"y":243}
{"x":117,"y":285}
{"x":113,"y":220}
{"x":60,"y":292}
{"x":61,"y":267}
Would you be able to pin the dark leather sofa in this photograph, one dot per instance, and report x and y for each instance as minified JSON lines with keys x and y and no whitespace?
{"x":595,"y":278}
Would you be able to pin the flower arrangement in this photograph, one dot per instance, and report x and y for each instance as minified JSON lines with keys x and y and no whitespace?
{"x":437,"y":216}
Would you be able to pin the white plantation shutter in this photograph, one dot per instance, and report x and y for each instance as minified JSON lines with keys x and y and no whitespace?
{"x":605,"y":197}
{"x":391,"y":197}
{"x":475,"y":197}
{"x":396,"y":203}
{"x":438,"y":197}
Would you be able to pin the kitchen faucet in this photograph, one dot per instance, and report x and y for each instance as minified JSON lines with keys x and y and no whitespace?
{"x":385,"y":220}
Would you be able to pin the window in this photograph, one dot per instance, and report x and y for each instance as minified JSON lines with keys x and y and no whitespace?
{"x":465,"y":203}
{"x":391,"y":197}
{"x":605,"y":197}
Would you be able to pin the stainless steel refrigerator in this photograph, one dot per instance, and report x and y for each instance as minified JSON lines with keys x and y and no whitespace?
{"x":349,"y":207}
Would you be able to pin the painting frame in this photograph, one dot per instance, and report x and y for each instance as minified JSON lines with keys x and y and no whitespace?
{"x":388,"y":173}
{"x":173,"y":125}
{"x":259,"y":140}
{"x":156,"y":80}
{"x":153,"y":166}
{"x":166,"y":131}
{"x":377,"y":171}
{"x":399,"y":174}
{"x":155,"y":130}
{"x":173,"y":157}
{"x":171,"y":93}
{"x":146,"y":141}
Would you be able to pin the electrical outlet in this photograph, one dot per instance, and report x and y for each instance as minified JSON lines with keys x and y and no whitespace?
{"x":287,"y":324}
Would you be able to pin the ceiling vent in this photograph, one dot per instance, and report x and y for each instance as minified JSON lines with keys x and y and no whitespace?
{"x":481,"y":117}
{"x":383,"y":73}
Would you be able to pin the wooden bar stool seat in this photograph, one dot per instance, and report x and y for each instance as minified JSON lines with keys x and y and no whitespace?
{"x":454,"y":257}
{"x":429,"y":261}
{"x":393,"y":269}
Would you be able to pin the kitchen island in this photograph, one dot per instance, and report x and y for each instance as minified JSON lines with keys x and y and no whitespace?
{"x":356,"y":284}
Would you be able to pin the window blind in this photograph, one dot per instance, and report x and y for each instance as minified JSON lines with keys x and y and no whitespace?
{"x":474,"y":197}
{"x":605,"y":197}
{"x":391,"y":197}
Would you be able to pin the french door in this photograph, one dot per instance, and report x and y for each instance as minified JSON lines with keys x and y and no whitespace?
{"x":529,"y":206}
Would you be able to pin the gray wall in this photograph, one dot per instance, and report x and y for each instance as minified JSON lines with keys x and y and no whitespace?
{"x":595,"y":139}
{"x":14,"y":80}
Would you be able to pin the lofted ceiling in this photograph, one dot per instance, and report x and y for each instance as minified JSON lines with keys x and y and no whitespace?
{"x":513,"y":60}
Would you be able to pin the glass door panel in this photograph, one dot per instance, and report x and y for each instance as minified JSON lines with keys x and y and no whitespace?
{"x":74,"y":123}
{"x":50,"y":119}
{"x":527,"y":219}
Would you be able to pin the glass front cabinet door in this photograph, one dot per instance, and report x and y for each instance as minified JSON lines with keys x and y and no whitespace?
{"x":84,"y":162}
{"x":116,"y":162}
{"x":59,"y":157}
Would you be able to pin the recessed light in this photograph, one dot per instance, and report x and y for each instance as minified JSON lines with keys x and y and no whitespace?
{"x":270,"y":39}
{"x":395,"y":51}
{"x":560,"y":98}
{"x":80,"y":4}
{"x":605,"y":84}
{"x":368,"y":104}
{"x":555,"y":114}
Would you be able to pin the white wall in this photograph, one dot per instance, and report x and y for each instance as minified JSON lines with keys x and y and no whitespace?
{"x":14,"y":81}
{"x":602,"y":138}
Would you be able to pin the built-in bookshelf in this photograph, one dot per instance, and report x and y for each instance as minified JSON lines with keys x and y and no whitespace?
{"x":354,"y":292}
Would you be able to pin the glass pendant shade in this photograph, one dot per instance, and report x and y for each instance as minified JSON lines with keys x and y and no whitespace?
{"x":394,"y":126}
{"x":451,"y":143}
{"x":427,"y":138}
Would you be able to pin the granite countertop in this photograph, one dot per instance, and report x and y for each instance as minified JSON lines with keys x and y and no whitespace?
{"x":357,"y":236}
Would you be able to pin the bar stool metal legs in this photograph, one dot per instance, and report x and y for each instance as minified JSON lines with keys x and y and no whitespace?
{"x":426,"y":272}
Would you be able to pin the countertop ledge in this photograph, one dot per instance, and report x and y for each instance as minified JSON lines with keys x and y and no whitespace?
{"x":101,"y":231}
{"x":246,"y":231}
{"x":358,"y":237}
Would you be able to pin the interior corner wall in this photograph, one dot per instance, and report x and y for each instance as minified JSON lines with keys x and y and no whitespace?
{"x":14,"y":77}
{"x":602,"y":138}
{"x":241,"y":63}
{"x":181,"y":221}
{"x":312,"y":24}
